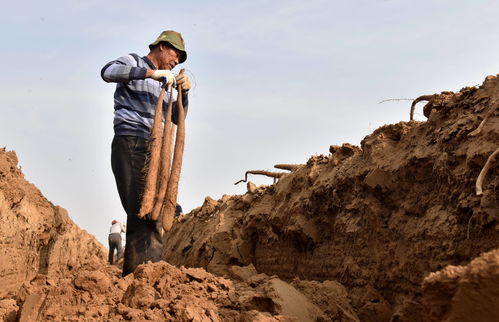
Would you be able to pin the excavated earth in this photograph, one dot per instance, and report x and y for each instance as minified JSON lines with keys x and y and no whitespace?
{"x":392,"y":230}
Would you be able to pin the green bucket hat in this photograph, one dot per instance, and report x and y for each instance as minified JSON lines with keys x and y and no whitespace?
{"x":173,"y":38}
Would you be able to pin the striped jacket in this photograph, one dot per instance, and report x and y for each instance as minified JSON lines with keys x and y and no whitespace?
{"x":135,"y":97}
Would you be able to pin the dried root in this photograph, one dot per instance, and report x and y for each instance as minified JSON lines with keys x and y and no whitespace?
{"x":154,"y":155}
{"x":417,"y":100}
{"x":483,"y":173}
{"x":289,"y":167}
{"x":275,"y":175}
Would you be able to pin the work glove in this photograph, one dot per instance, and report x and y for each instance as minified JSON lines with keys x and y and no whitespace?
{"x":183,"y":80}
{"x":163,"y":74}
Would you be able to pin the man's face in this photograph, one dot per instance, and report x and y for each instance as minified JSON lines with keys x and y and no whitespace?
{"x":169,"y":57}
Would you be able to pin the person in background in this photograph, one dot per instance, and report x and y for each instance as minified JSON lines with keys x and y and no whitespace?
{"x":115,"y":240}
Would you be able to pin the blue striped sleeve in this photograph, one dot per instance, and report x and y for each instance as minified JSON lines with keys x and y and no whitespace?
{"x":122,"y":70}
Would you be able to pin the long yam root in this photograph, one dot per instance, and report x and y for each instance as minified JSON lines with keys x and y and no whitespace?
{"x":478,"y":130}
{"x":172,"y":188}
{"x":166,"y":158}
{"x":289,"y":167}
{"x":483,"y":173}
{"x":489,"y":115}
{"x":275,"y":175}
{"x":154,"y":154}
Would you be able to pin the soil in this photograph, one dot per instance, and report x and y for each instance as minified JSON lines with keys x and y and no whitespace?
{"x":391,"y":230}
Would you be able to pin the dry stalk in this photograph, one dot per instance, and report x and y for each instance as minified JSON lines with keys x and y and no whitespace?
{"x":275,"y":175}
{"x":417,"y":100}
{"x":166,"y":158}
{"x":396,"y":100}
{"x":172,"y":188}
{"x":289,"y":167}
{"x":483,"y":173}
{"x":154,"y":154}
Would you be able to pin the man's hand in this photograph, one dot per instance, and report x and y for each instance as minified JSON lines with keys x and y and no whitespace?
{"x":163,"y":73}
{"x":183,"y":80}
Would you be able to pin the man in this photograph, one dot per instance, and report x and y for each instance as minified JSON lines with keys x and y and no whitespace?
{"x":115,"y":240}
{"x":138,"y":86}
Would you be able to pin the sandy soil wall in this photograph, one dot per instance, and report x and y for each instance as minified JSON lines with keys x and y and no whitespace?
{"x":37,"y":237}
{"x":377,"y":218}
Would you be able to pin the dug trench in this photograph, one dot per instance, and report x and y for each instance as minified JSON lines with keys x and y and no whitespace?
{"x":391,"y":230}
{"x":376,"y":218}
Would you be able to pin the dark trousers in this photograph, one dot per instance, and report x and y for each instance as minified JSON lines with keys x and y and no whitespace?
{"x":115,"y":244}
{"x":143,"y":236}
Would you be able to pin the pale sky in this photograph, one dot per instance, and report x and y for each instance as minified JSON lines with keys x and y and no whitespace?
{"x":274,"y":82}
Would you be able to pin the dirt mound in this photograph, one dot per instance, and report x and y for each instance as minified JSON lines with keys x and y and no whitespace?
{"x":36,"y":236}
{"x":464,"y":293}
{"x":349,"y":236}
{"x":52,"y":270}
{"x":162,"y":292}
{"x":377,"y":218}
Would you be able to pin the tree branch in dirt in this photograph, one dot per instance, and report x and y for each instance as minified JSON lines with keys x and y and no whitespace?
{"x":289,"y":167}
{"x":172,"y":188}
{"x":483,"y":173}
{"x":166,"y":158}
{"x":275,"y":175}
{"x":417,"y":100}
{"x":153,"y":162}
